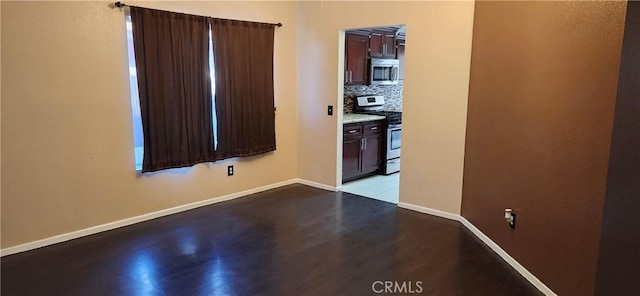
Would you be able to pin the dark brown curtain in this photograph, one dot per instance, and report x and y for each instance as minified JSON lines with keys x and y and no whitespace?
{"x":171,"y":51}
{"x":243,"y":58}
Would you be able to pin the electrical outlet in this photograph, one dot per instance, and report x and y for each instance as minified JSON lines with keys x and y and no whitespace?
{"x":512,"y":223}
{"x":230,"y":170}
{"x":330,"y":110}
{"x":510,"y":216}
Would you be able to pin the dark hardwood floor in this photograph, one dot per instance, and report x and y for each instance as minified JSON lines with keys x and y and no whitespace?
{"x":294,"y":240}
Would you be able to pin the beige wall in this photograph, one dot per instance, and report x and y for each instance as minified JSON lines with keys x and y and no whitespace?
{"x":66,"y":120}
{"x":435,"y":92}
{"x":67,"y":138}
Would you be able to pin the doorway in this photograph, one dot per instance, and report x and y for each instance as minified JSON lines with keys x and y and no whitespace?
{"x":372,"y":111}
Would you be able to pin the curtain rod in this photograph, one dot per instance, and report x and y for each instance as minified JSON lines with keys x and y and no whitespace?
{"x":120,"y":5}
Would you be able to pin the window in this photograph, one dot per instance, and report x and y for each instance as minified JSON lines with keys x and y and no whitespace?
{"x":138,"y":135}
{"x":188,"y":112}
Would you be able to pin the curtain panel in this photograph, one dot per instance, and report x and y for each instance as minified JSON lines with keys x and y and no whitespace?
{"x":243,"y":57}
{"x":171,"y":51}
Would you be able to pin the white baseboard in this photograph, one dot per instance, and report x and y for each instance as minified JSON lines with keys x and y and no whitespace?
{"x":137,"y":219}
{"x":502,"y":253}
{"x":429,"y":211}
{"x":484,"y":238}
{"x":316,"y":185}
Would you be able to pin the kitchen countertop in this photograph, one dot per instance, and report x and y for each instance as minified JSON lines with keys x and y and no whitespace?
{"x":353,"y":118}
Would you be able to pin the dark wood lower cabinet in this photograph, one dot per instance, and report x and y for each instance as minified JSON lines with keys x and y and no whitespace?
{"x":371,"y":153}
{"x":361,"y":150}
{"x":351,"y":149}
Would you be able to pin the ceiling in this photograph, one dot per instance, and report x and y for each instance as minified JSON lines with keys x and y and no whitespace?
{"x":399,"y":30}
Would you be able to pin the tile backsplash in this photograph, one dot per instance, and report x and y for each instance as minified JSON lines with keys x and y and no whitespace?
{"x":392,"y":95}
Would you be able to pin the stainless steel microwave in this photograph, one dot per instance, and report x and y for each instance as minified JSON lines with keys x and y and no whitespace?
{"x":383,"y":71}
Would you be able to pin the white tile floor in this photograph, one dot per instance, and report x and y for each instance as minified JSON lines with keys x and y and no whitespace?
{"x":384,"y":188}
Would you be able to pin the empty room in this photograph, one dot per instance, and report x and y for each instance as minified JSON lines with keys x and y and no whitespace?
{"x":254,"y":147}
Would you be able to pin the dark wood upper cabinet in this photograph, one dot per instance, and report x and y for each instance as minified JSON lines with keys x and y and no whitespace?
{"x":382,"y":45}
{"x":375,"y":44}
{"x":356,"y":50}
{"x":400,"y":57}
{"x":389,"y":41}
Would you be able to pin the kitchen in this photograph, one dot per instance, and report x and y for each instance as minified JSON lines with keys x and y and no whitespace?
{"x":372,"y":120}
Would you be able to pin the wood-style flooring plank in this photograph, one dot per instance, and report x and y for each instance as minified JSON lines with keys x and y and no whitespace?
{"x":294,"y":240}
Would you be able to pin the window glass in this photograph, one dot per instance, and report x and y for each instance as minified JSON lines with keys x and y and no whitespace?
{"x":138,"y":136}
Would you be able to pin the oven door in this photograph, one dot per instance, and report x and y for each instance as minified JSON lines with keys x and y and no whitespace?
{"x":394,"y":135}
